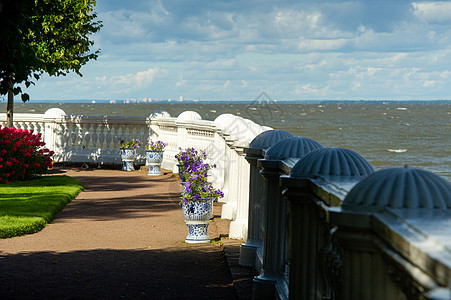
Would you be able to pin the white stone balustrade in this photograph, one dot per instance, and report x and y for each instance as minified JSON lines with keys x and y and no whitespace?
{"x":33,"y":122}
{"x":353,"y":234}
{"x":94,"y":139}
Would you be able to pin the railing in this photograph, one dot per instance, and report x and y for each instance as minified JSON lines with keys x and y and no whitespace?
{"x":324,"y":225}
{"x":94,"y":139}
{"x":33,"y":122}
{"x":319,"y":223}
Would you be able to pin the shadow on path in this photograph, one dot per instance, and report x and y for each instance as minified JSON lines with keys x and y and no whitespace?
{"x":182,"y":272}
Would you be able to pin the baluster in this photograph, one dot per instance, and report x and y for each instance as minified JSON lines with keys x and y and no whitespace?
{"x":35,"y":127}
{"x":73,"y":136}
{"x":117,"y":135}
{"x":95,"y":127}
{"x":32,"y":125}
{"x":123,"y":132}
{"x":109,"y":139}
{"x":79,"y":141}
{"x":87,"y":138}
{"x":101,"y":139}
{"x":59,"y":151}
{"x":65,"y":142}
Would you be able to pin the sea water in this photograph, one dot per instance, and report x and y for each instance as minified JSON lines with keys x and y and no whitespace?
{"x":387,"y":135}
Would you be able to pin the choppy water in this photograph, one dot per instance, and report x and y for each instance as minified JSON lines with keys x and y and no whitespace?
{"x":387,"y":135}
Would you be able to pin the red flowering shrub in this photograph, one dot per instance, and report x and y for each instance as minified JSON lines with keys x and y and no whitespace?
{"x":22,"y":155}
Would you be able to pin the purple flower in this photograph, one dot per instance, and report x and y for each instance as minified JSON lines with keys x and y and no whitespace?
{"x":195,"y":170}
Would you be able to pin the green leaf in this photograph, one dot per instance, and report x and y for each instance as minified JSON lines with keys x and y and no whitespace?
{"x":25,"y":97}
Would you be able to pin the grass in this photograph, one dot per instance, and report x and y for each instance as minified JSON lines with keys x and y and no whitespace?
{"x":26,"y":207}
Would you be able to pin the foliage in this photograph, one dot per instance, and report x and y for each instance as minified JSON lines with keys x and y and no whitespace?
{"x":195,"y":188}
{"x":195,"y":171}
{"x":23,"y":155}
{"x":44,"y":36}
{"x":132,"y":143}
{"x":156,"y":146}
{"x":26,"y":207}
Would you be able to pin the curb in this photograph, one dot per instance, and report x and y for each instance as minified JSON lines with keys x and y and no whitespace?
{"x":242,"y":276}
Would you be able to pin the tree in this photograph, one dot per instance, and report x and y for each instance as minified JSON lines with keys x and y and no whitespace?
{"x":43,"y":36}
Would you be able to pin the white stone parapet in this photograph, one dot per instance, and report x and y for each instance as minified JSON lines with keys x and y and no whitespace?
{"x":94,"y":139}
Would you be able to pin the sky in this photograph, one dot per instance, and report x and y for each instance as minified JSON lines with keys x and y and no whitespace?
{"x":292,"y":50}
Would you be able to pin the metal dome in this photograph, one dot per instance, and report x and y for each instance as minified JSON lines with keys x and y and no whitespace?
{"x":189,"y":115}
{"x":332,"y":162}
{"x":401,"y":187}
{"x":295,"y":147}
{"x":268,"y":138}
{"x":159,"y":114}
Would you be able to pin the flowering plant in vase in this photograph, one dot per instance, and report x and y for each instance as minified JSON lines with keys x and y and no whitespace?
{"x":130,"y":144}
{"x":154,"y":157}
{"x":189,"y":159}
{"x":197,"y":186}
{"x":128,"y":153}
{"x":155,"y":146}
{"x":197,"y":195}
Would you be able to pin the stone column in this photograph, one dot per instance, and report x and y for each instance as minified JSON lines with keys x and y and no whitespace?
{"x":53,"y":132}
{"x":251,"y":253}
{"x":275,"y":216}
{"x":248,"y":251}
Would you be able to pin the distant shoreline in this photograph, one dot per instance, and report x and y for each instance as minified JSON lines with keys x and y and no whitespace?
{"x":252,"y":102}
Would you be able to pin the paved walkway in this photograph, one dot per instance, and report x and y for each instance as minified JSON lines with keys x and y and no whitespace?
{"x":123,"y":237}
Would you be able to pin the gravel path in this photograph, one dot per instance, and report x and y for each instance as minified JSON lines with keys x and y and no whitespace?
{"x":123,"y":237}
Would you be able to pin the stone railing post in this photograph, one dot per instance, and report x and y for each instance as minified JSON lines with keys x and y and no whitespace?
{"x":276,"y":218}
{"x":227,"y":163}
{"x":54,"y":131}
{"x":238,"y":227}
{"x":251,"y":253}
{"x":154,"y":130}
{"x":182,"y":135}
{"x":237,"y":133}
{"x":314,"y":257}
{"x":391,"y":236}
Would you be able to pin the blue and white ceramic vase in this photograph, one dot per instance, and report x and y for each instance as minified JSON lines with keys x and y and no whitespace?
{"x":181,"y":174}
{"x":154,"y":160}
{"x":128,"y":158}
{"x":197,"y":215}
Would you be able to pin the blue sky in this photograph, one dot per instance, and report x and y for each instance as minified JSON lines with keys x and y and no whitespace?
{"x":292,"y":50}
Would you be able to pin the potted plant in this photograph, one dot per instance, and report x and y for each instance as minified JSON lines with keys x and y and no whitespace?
{"x":154,"y":156}
{"x":128,"y":153}
{"x":197,"y":202}
{"x":188,"y":159}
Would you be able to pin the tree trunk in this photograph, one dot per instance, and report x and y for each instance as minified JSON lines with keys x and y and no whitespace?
{"x":10,"y":106}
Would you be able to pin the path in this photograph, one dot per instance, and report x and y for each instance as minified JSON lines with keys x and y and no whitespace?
{"x":120,"y":238}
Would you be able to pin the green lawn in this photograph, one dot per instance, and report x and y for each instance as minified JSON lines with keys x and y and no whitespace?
{"x":26,"y":207}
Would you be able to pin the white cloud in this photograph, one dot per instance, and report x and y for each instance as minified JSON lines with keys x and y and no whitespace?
{"x":181,"y":82}
{"x":372,"y":71}
{"x":139,"y":79}
{"x":429,"y":83}
{"x":433,"y":12}
{"x":305,"y":88}
{"x":445,"y":74}
{"x":321,"y":49}
{"x":322,"y":45}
